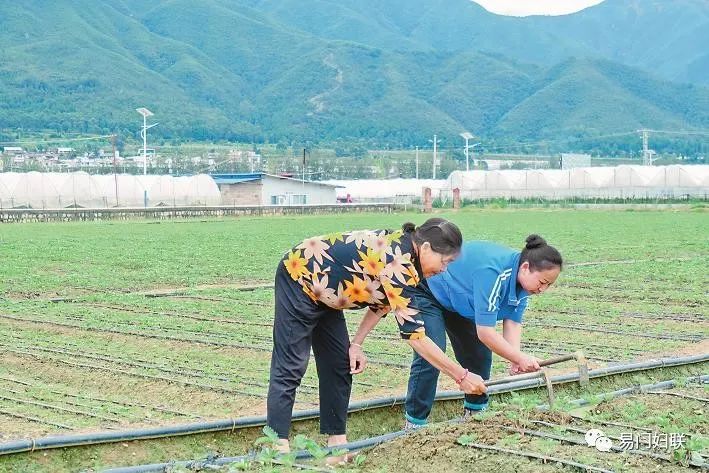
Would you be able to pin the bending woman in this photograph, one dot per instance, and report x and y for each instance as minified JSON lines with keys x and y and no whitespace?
{"x":316,"y":280}
{"x":488,"y":283}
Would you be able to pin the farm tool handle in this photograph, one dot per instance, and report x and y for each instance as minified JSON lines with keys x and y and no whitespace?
{"x":578,"y":356}
{"x":558,"y":359}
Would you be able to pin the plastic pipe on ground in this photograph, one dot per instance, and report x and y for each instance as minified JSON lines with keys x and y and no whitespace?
{"x":374,"y":441}
{"x":49,"y":442}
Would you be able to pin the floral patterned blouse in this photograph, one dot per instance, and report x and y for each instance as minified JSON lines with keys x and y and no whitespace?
{"x":368,"y":268}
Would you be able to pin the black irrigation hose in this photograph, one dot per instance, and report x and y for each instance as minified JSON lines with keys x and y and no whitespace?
{"x":374,"y":441}
{"x":207,"y":387}
{"x":176,"y":339}
{"x":196,"y":464}
{"x":258,"y":421}
{"x":670,"y":317}
{"x":55,"y":408}
{"x":34,"y":419}
{"x":683,"y":396}
{"x":592,"y":328}
{"x":543,"y":458}
{"x":98,"y":399}
{"x":146,"y":365}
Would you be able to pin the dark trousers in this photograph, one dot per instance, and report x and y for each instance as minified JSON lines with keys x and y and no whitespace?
{"x":470,"y":352}
{"x":300,"y":324}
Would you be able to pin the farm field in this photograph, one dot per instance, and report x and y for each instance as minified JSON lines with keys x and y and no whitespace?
{"x":658,"y":431}
{"x":118,"y":325}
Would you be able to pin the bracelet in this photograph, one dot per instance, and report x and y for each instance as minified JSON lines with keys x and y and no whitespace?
{"x":355,"y":345}
{"x":462,"y":378}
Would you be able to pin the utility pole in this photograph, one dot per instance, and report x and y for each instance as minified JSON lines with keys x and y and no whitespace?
{"x":417,"y":162}
{"x":647,"y":160}
{"x":115,"y":177}
{"x":435,"y":154}
{"x":467,"y":136}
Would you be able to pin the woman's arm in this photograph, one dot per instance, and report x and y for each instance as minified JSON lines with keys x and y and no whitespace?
{"x":507,"y":345}
{"x":358,"y":360}
{"x":470,"y":384}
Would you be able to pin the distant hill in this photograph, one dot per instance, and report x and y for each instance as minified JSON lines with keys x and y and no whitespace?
{"x":382,"y":72}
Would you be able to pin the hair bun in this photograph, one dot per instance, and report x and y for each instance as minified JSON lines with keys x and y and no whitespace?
{"x":535,"y":241}
{"x":408,"y":227}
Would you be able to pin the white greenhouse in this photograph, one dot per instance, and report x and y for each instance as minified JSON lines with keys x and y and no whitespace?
{"x":591,"y":182}
{"x":81,"y":190}
{"x":595,"y":182}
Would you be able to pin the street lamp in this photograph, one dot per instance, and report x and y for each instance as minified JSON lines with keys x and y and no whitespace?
{"x":435,"y":142}
{"x":144,"y":133}
{"x":467,"y":136}
{"x":472,"y":151}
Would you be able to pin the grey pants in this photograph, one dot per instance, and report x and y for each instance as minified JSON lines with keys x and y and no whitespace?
{"x":300,"y":324}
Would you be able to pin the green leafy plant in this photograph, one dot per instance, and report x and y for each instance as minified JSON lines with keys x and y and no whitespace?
{"x":466,"y":439}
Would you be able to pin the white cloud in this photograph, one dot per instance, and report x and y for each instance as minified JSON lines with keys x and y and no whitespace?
{"x":535,"y":7}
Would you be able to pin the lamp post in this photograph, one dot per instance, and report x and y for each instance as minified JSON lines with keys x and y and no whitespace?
{"x":467,"y":136}
{"x":435,"y":142}
{"x":472,"y":151}
{"x":144,"y":133}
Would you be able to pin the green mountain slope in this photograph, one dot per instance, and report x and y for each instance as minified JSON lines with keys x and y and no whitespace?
{"x":386,"y":72}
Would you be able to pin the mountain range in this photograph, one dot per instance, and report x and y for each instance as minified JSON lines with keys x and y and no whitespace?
{"x":392,"y":72}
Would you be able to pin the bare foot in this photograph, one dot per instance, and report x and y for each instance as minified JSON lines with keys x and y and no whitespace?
{"x":333,"y":442}
{"x":282,"y":446}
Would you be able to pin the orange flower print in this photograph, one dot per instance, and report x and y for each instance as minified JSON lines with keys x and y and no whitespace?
{"x":296,"y":265}
{"x":356,"y":290}
{"x":414,"y":280}
{"x":371,"y":262}
{"x":394,"y":296}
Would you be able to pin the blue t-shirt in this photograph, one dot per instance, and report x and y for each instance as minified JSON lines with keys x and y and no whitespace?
{"x":481,"y":284}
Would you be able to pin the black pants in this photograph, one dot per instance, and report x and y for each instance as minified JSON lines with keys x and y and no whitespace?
{"x":470,"y":352}
{"x":300,"y":324}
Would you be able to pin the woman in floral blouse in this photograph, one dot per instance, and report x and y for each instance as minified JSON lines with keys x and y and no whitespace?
{"x":381,"y":270}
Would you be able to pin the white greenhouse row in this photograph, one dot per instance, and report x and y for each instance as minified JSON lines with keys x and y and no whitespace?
{"x":62,"y":190}
{"x":592,"y":182}
{"x":600,"y":182}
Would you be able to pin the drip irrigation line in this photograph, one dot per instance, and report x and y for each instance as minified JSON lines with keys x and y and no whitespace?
{"x":141,"y":375}
{"x":626,"y":261}
{"x":137,"y":334}
{"x":637,"y":389}
{"x":683,"y":396}
{"x":584,"y":295}
{"x":574,"y":441}
{"x":538,"y":456}
{"x":77,"y":404}
{"x":669,"y":317}
{"x":592,"y":328}
{"x":58,"y":408}
{"x":147,"y":311}
{"x":142,"y":364}
{"x":610,"y":423}
{"x":216,"y":462}
{"x":177,"y":292}
{"x":259,"y":421}
{"x":176,"y":339}
{"x":34,"y":419}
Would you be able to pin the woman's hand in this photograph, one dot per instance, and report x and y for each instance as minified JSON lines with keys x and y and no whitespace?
{"x":472,"y":384}
{"x":358,"y":360}
{"x":524,"y":364}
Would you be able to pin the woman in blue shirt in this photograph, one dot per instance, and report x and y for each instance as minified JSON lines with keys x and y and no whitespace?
{"x":486,"y":284}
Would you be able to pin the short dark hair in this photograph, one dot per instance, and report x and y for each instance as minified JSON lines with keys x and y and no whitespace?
{"x":443,"y":236}
{"x":540,"y":255}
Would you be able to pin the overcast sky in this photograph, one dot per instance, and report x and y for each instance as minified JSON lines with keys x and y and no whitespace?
{"x":535,"y":7}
